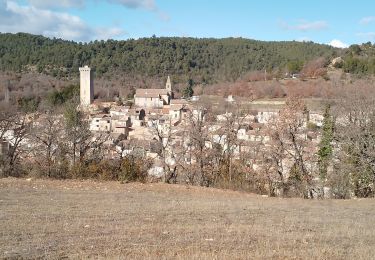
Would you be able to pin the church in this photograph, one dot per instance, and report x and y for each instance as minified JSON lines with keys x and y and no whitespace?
{"x":154,"y":98}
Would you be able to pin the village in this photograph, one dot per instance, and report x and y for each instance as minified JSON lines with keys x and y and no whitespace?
{"x":187,"y":133}
{"x":156,"y":129}
{"x":160,"y":126}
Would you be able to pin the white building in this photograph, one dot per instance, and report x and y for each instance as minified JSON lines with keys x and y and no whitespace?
{"x":264,"y":117}
{"x":86,"y":86}
{"x":316,"y":118}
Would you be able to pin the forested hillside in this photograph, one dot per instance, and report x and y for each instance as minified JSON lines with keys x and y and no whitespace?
{"x":204,"y":60}
{"x":360,"y":59}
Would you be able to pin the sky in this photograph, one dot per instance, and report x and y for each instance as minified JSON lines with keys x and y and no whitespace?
{"x":336,"y":22}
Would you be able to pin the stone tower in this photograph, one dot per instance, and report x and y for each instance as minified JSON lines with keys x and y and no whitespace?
{"x":168,"y":85}
{"x":86,"y":86}
{"x":7,"y":93}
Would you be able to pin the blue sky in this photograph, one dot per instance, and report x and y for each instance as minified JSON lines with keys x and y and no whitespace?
{"x":324,"y":21}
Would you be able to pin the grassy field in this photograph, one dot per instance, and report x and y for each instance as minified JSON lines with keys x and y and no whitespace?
{"x":71,"y":219}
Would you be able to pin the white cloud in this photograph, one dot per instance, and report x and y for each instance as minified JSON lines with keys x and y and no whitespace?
{"x":338,"y":44}
{"x":147,"y":4}
{"x":16,"y":18}
{"x":367,"y":20}
{"x":47,"y":18}
{"x":143,"y":4}
{"x":108,"y":33}
{"x":56,"y":4}
{"x":305,"y":26}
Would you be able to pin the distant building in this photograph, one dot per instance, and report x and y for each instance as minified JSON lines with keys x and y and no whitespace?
{"x":154,"y":98}
{"x":177,"y":109}
{"x":194,"y":98}
{"x":230,"y":99}
{"x":86,"y":86}
{"x":100,"y":123}
{"x":264,"y":117}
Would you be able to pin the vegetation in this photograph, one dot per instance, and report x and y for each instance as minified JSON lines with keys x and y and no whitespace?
{"x":326,"y":146}
{"x":28,"y":104}
{"x":188,"y":91}
{"x":57,"y":97}
{"x":204,"y":60}
{"x":360,"y":59}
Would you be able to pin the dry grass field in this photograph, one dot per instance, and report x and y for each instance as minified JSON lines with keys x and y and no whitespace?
{"x":72,"y":219}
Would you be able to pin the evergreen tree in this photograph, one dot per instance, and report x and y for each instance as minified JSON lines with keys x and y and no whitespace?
{"x":188,"y":91}
{"x":325,"y":146}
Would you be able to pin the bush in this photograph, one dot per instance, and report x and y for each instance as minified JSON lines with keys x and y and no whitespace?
{"x":28,"y":104}
{"x":133,"y":169}
{"x":60,"y":97}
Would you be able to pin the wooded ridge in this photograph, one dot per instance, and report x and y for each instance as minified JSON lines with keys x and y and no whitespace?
{"x":204,"y":60}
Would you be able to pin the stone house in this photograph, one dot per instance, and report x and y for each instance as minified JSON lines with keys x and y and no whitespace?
{"x":100,"y":123}
{"x":154,"y":98}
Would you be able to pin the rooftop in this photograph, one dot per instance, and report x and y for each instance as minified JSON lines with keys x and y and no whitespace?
{"x":150,"y":93}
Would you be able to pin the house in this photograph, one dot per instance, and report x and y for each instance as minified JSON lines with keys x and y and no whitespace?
{"x":178,"y":109}
{"x":154,"y":98}
{"x":316,"y":118}
{"x":121,"y":111}
{"x":265,"y":116}
{"x":121,"y":125}
{"x":100,"y":123}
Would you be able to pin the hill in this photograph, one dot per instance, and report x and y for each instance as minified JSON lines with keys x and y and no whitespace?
{"x":360,"y":59}
{"x":83,"y":219}
{"x":204,"y":60}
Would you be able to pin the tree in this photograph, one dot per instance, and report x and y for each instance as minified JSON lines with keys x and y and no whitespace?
{"x":355,"y":134}
{"x":199,"y":153}
{"x":290,"y":152}
{"x":232,"y":121}
{"x":77,"y":132}
{"x":188,"y":91}
{"x":14,"y":129}
{"x":81,"y":144}
{"x":171,"y":154}
{"x":326,"y":146}
{"x":294,"y":66}
{"x":47,"y":135}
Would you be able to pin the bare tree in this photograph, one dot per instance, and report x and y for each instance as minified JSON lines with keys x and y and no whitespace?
{"x":289,"y":146}
{"x":233,"y":120}
{"x":46,"y":134}
{"x":171,"y":146}
{"x":79,"y":140}
{"x":355,"y":137}
{"x":14,"y":127}
{"x":202,"y":150}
